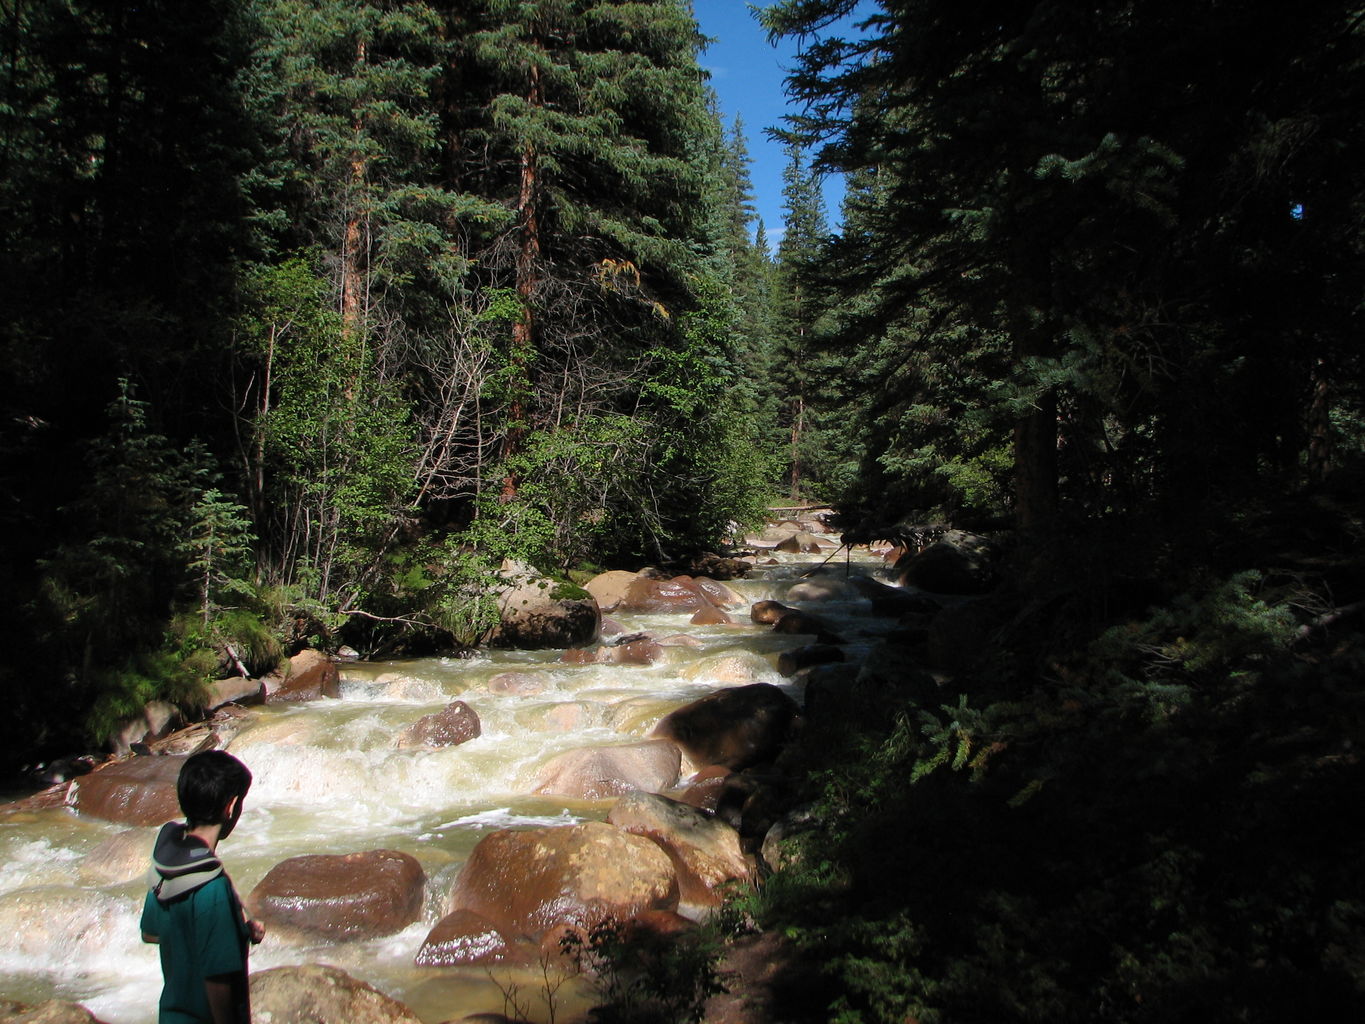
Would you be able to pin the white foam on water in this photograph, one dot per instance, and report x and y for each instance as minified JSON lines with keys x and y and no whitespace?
{"x":502,"y":817}
{"x":329,"y":778}
{"x":25,"y":863}
{"x":79,"y":937}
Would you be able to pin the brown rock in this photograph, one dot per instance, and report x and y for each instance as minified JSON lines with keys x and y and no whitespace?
{"x":466,"y":938}
{"x":184,"y":742}
{"x":536,"y":612}
{"x":736,"y":727}
{"x":894,"y":601}
{"x":641,"y":651}
{"x":609,"y":588}
{"x":312,"y":676}
{"x":679,"y":594}
{"x":717,"y":593}
{"x":719,"y":568}
{"x":803,"y":624}
{"x":53,"y":1011}
{"x":823,"y":589}
{"x":157,"y":721}
{"x":456,"y":723}
{"x":799,"y":543}
{"x":703,"y":790}
{"x":317,"y":994}
{"x":580,"y":656}
{"x":355,"y":895}
{"x":711,"y":616}
{"x":636,"y":649}
{"x":957,"y":563}
{"x":235,"y":690}
{"x":752,"y":801}
{"x":767,"y":612}
{"x":599,"y":773}
{"x":526,"y":882}
{"x":139,"y":791}
{"x":705,"y":851}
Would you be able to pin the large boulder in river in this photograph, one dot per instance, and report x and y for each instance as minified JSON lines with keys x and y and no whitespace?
{"x":634,"y":649}
{"x":465,"y":937}
{"x":599,"y":773}
{"x":677,"y":595}
{"x":140,"y":791}
{"x":348,"y":896}
{"x":768,"y":612}
{"x":609,"y":588}
{"x":711,"y":616}
{"x":705,"y":851}
{"x":536,"y":612}
{"x":157,"y":721}
{"x":957,"y":563}
{"x":716,"y":592}
{"x":312,"y":676}
{"x":317,"y":994}
{"x":526,"y":882}
{"x":454,"y":724}
{"x":234,"y":690}
{"x":799,"y":543}
{"x":822,"y":588}
{"x":735,"y":727}
{"x":894,"y":602}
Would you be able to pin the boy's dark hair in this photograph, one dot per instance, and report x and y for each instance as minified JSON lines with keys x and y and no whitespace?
{"x":208,"y":780}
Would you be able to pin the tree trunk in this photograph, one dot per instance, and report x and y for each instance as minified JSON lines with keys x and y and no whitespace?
{"x":353,"y":235}
{"x":527,"y":278}
{"x":1320,"y":424}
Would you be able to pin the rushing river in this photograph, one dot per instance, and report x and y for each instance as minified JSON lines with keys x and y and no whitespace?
{"x":329,"y":779}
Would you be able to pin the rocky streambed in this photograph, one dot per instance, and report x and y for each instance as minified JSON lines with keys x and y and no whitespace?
{"x":422,"y":834}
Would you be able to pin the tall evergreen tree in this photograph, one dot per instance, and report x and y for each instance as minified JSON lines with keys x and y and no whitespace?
{"x":806,"y":231}
{"x":1111,"y":193}
{"x":586,"y":122}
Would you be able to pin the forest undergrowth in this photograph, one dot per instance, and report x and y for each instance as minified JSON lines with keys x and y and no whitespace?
{"x":1118,"y":812}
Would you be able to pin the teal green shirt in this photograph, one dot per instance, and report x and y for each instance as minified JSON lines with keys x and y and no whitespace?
{"x":201,"y":935}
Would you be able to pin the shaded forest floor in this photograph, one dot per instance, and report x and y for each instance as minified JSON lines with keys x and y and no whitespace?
{"x":1136,"y":800}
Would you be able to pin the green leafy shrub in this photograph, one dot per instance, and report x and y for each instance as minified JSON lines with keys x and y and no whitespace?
{"x":1163,"y":829}
{"x":647,"y":978}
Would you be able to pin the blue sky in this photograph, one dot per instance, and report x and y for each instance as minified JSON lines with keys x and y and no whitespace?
{"x":747,"y":73}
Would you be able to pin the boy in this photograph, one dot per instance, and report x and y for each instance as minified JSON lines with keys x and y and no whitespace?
{"x":192,"y":910}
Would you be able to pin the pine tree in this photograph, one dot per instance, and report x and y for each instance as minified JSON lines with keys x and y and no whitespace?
{"x":589,"y":124}
{"x":1109,"y":194}
{"x":805,"y":233}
